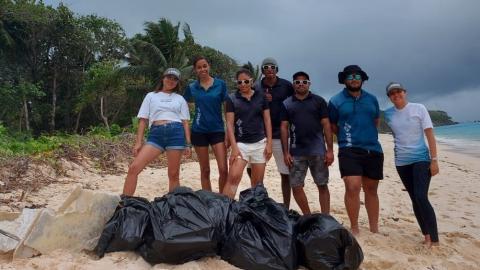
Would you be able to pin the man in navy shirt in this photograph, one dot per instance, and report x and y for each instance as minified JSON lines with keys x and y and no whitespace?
{"x":354,"y":116}
{"x":307,"y":116}
{"x":276,"y":90}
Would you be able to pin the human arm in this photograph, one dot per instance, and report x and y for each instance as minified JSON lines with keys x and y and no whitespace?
{"x":287,"y":158}
{"x":268,"y":132}
{"x":230,"y":119}
{"x":226,"y":141}
{"x":142,"y":125}
{"x":432,"y":145}
{"x":327,"y":133}
{"x":186,"y":128}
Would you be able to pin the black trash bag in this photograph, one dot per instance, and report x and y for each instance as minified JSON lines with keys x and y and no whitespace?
{"x":262,"y":235}
{"x":218,"y":208}
{"x":124,"y":231}
{"x":181,"y":229}
{"x":323,"y":243}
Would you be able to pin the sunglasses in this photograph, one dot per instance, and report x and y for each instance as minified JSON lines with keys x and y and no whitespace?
{"x":265,"y":67}
{"x":297,"y":82}
{"x":240,"y":82}
{"x":356,"y":77}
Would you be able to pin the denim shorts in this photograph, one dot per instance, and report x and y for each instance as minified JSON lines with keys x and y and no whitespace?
{"x":169,"y":136}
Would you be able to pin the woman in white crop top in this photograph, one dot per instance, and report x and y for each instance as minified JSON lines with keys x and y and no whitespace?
{"x":167,"y":115}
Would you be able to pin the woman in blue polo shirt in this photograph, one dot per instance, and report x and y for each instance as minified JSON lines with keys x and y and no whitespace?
{"x":416,"y":163}
{"x":249,"y":131}
{"x":209,"y":94}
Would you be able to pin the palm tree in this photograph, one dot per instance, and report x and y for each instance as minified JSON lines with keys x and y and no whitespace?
{"x":255,"y":70}
{"x":150,"y":54}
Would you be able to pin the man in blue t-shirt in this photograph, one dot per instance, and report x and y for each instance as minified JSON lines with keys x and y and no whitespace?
{"x":306,"y":115}
{"x":354,"y":115}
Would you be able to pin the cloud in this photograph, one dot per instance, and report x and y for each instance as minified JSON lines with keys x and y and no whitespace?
{"x":431,"y":46}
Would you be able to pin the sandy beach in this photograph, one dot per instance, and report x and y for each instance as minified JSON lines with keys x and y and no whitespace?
{"x":454,"y":193}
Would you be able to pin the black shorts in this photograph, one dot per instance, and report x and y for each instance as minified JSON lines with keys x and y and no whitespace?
{"x":205,"y":139}
{"x":360,"y":162}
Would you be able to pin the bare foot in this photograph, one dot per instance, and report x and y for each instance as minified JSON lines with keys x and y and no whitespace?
{"x":355,"y":231}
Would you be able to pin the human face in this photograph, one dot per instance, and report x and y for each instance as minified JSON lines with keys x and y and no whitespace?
{"x":269,"y":70}
{"x":202,"y":68}
{"x":301,"y":85}
{"x":244,"y":83}
{"x":169,"y":82}
{"x":398,"y":97}
{"x":353,"y":82}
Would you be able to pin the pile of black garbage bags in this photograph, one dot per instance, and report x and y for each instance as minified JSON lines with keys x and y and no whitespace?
{"x":253,"y":233}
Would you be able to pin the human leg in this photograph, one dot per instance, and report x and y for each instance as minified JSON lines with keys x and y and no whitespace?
{"x":421,"y":181}
{"x":370,"y":187}
{"x":220,"y":153}
{"x":258,"y":172}
{"x":234,"y":176}
{"x":283,"y":169}
{"x":204,"y":161}
{"x":174,"y":157}
{"x":319,"y":172}
{"x":353,"y":185}
{"x":146,"y":155}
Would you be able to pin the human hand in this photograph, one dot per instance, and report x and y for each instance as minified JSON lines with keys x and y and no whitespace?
{"x":187,"y":152}
{"x":234,"y":155}
{"x":136,"y":148}
{"x":329,"y":158}
{"x":268,"y":97}
{"x":267,"y":153}
{"x":287,"y":158}
{"x":434,"y":170}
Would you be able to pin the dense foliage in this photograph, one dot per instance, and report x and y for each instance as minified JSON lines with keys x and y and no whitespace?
{"x":60,"y":72}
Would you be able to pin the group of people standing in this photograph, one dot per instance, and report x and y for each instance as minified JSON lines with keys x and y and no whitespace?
{"x":284,"y":119}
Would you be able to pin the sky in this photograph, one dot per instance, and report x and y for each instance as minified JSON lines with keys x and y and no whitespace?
{"x":431,"y":46}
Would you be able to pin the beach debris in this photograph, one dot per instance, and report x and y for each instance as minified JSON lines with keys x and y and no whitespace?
{"x":76,"y":225}
{"x":322,"y":243}
{"x":124,"y":231}
{"x":14,"y":227}
{"x":181,"y":229}
{"x":261,"y":235}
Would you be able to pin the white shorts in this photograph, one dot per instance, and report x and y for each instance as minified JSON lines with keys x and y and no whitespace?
{"x":278,"y":156}
{"x":253,"y":152}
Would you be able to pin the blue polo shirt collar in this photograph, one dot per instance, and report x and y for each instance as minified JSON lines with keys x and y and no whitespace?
{"x":197,"y":85}
{"x":277,"y":82}
{"x":347,"y":94}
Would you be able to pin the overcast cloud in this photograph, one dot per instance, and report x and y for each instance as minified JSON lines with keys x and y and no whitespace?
{"x":431,"y":46}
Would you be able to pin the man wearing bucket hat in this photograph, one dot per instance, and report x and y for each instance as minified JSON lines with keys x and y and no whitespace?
{"x":354,"y":116}
{"x":276,"y":90}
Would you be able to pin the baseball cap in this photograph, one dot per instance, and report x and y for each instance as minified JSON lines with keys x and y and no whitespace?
{"x":172,"y":71}
{"x":301,"y":73}
{"x":394,"y":85}
{"x":269,"y":60}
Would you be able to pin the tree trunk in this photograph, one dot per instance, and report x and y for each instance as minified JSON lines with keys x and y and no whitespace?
{"x":77,"y":122}
{"x":54,"y":101}
{"x":105,"y":119}
{"x":25,"y":108}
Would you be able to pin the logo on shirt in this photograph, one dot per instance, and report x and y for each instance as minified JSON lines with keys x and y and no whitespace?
{"x":239,"y":127}
{"x":294,"y":136}
{"x":347,"y":127}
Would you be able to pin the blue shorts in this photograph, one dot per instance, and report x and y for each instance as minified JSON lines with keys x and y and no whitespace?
{"x":169,"y":136}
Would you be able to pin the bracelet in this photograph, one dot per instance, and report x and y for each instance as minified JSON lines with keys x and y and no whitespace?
{"x":188,"y":145}
{"x":434,"y":158}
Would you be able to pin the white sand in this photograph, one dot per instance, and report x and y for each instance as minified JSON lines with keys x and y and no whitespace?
{"x":454,"y":193}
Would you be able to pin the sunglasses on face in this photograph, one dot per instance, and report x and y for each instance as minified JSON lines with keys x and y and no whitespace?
{"x":240,"y":82}
{"x":356,"y":77}
{"x":297,"y":82}
{"x":265,"y":67}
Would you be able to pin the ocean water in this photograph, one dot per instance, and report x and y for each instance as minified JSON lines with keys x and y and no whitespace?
{"x":464,"y":137}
